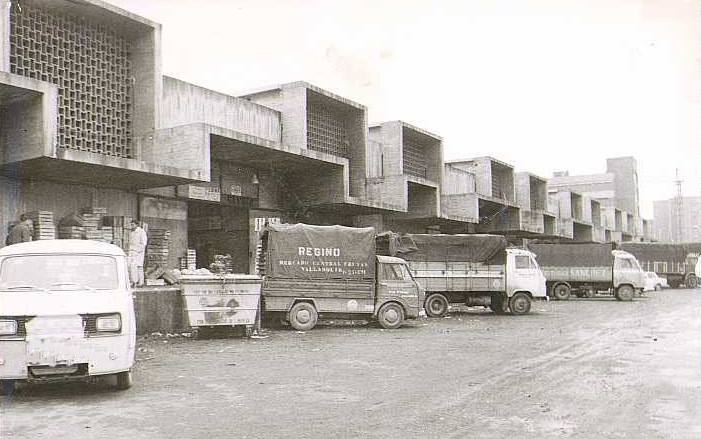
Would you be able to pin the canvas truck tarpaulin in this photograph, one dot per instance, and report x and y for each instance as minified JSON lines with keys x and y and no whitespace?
{"x":302,"y":251}
{"x":573,"y":255}
{"x":452,"y":248}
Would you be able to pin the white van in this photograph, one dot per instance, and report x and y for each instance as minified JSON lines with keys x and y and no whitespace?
{"x":66,"y":312}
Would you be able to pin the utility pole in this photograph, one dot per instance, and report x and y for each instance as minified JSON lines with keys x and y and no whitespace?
{"x":678,"y":213}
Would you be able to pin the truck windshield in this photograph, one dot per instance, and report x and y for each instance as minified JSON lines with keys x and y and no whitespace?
{"x":61,"y":271}
{"x":396,"y":272}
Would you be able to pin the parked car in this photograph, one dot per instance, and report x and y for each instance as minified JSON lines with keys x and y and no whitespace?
{"x":66,"y":312}
{"x":653,"y":282}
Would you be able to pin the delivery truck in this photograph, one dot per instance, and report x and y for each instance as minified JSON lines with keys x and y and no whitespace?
{"x":473,"y":270}
{"x":588,"y":268}
{"x":674,"y":262}
{"x":315,"y":272}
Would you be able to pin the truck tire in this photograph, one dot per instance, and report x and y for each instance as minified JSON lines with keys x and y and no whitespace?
{"x":692,"y":281}
{"x":124,"y":380}
{"x":520,"y":304}
{"x":499,"y":306}
{"x":436,"y":305}
{"x":625,"y":293}
{"x":7,"y":387}
{"x":391,"y":315}
{"x":590,"y":293}
{"x":303,"y":316}
{"x":562,"y":292}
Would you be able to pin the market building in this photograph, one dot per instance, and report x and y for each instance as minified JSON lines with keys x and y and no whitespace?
{"x":93,"y":135}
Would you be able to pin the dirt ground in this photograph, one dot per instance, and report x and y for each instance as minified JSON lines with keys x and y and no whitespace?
{"x":586,"y":368}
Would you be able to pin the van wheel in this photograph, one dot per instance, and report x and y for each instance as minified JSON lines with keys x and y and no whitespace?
{"x":625,"y":293}
{"x":124,"y":380}
{"x":520,"y":304}
{"x":436,"y":305}
{"x":391,"y":316}
{"x":303,"y":316}
{"x":562,"y":292}
{"x":658,"y":287}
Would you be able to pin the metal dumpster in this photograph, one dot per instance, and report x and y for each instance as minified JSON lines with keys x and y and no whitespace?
{"x":221,"y":300}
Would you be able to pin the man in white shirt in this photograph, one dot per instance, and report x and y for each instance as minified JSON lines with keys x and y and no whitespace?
{"x":136,"y":254}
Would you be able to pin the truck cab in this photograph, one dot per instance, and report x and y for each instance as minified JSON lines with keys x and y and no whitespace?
{"x":395,"y":284}
{"x":523,"y":274}
{"x":628,"y":276}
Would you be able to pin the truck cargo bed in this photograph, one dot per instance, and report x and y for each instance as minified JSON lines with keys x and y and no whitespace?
{"x":458,"y":276}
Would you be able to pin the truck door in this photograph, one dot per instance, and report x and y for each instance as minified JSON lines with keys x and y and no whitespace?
{"x":525,"y":275}
{"x":395,"y":282}
{"x":627,"y":271}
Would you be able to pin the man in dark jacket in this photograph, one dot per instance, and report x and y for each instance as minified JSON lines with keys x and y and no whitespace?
{"x":21,"y":232}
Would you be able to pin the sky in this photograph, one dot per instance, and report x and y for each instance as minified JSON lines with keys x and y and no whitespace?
{"x":545,"y":85}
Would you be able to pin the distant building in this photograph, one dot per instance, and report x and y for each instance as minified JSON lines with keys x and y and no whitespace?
{"x":616,"y":190}
{"x":666,"y":221}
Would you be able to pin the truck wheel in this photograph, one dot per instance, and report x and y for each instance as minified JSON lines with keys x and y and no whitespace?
{"x":692,"y":282}
{"x":562,"y":292}
{"x":498,"y":305}
{"x":625,"y":293}
{"x":7,"y":387}
{"x":520,"y":304}
{"x":303,"y":316}
{"x":436,"y":305}
{"x":124,"y":380}
{"x":590,"y":293}
{"x":391,"y":315}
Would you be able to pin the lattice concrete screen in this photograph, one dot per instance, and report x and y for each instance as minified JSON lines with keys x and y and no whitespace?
{"x":326,"y":131}
{"x":91,"y":67}
{"x":415,"y":162}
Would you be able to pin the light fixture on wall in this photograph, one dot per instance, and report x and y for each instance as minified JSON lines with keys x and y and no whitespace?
{"x":254,"y":179}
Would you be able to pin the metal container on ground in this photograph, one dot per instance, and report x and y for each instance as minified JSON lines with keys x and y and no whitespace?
{"x":227,"y":300}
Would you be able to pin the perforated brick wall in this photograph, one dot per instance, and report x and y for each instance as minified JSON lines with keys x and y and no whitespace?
{"x":91,"y":67}
{"x":415,"y":162}
{"x":326,"y":130}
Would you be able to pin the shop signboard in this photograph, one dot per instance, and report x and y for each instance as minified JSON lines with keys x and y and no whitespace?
{"x":207,"y":193}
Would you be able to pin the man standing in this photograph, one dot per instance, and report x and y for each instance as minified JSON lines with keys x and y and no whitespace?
{"x":136,"y":253}
{"x":21,"y":232}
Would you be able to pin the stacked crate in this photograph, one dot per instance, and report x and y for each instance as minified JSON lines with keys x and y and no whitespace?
{"x":119,"y":227}
{"x":43,"y":221}
{"x":71,"y":232}
{"x":189,"y":262}
{"x":157,"y":248}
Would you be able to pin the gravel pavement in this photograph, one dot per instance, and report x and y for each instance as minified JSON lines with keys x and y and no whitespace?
{"x":585,"y":368}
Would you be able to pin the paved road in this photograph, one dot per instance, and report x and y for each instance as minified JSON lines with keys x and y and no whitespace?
{"x":579,"y":369}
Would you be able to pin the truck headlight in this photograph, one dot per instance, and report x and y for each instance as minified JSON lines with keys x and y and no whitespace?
{"x":111,"y":323}
{"x":8,"y":327}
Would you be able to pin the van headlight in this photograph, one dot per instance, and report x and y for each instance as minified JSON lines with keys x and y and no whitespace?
{"x":8,"y":327}
{"x":110,"y":323}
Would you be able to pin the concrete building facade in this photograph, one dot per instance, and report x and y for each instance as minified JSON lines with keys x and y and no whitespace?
{"x":87,"y":120}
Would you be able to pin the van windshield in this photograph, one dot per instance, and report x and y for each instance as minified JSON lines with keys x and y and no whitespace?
{"x":61,"y":271}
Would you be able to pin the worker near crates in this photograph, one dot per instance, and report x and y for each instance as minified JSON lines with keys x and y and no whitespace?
{"x":20,"y":232}
{"x":136,"y":254}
